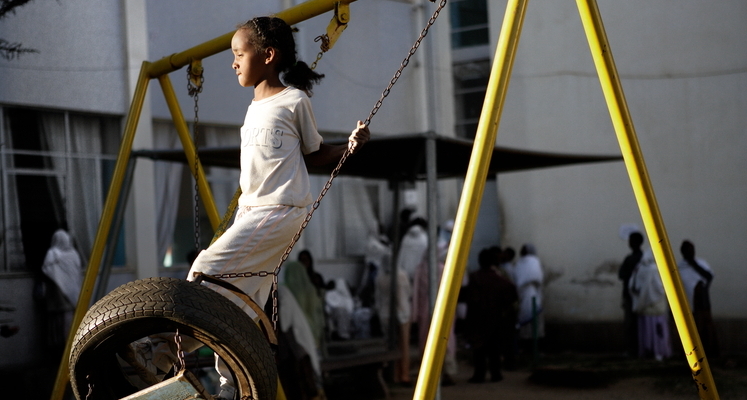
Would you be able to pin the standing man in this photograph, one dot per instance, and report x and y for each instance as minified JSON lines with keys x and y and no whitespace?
{"x":696,"y":276}
{"x":491,"y":317}
{"x":635,"y":241}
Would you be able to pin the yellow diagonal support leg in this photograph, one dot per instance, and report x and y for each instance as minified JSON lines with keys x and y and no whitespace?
{"x":644,"y":194}
{"x":469,"y":204}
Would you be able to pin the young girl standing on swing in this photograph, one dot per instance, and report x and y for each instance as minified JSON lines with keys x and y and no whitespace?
{"x":278,"y":134}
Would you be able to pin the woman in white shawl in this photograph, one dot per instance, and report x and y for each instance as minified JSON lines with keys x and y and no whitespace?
{"x":696,"y":276}
{"x":62,"y":265}
{"x":650,"y":304}
{"x":529,"y":280}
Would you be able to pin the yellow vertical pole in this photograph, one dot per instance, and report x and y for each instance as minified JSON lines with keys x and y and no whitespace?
{"x":189,"y":150}
{"x":644,"y":194}
{"x":94,"y":263}
{"x":469,"y":204}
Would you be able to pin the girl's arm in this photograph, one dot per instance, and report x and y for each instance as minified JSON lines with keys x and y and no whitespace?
{"x":328,"y":154}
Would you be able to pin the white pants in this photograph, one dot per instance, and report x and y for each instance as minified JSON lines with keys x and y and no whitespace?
{"x":255,"y":242}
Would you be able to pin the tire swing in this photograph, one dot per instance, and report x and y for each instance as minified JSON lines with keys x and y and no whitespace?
{"x":104,"y":363}
{"x":154,"y":305}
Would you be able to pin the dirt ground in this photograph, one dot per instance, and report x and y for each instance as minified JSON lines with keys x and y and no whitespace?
{"x":577,"y":377}
{"x":556,"y":377}
{"x":517,"y":385}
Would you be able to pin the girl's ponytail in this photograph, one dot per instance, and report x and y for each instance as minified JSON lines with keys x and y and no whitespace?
{"x":300,"y":76}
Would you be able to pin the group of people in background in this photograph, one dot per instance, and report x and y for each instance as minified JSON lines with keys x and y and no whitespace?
{"x":646,"y":310}
{"x":504,"y":309}
{"x":503,"y":298}
{"x":503,"y":302}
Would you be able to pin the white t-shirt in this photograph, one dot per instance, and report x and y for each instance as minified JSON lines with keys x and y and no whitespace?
{"x":277,"y":132}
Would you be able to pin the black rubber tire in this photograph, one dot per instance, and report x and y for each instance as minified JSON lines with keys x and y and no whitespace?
{"x":149,"y":306}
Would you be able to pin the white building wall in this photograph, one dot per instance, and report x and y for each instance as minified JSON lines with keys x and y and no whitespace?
{"x":684,"y":74}
{"x":80,"y":64}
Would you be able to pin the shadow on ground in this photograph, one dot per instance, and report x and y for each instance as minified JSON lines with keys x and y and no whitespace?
{"x":672,"y":375}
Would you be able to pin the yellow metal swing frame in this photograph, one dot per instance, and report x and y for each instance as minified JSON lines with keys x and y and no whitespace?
{"x":427,"y":383}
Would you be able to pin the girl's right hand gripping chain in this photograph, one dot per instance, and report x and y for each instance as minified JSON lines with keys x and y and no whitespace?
{"x":359,"y":137}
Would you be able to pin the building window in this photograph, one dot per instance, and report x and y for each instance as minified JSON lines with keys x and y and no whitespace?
{"x":175,"y":193}
{"x":56,"y":167}
{"x":470,"y":82}
{"x":469,"y":23}
{"x":471,"y":65}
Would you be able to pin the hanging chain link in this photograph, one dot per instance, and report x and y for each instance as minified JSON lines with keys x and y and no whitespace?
{"x":179,"y":352}
{"x":194,"y":91}
{"x":324,"y":48}
{"x":90,"y":387}
{"x":276,"y":272}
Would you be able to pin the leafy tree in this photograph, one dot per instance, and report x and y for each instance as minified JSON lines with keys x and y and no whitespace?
{"x":10,"y":50}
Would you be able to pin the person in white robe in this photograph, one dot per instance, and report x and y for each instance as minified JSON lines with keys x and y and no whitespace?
{"x":696,"y":277}
{"x":421,"y":310}
{"x":649,"y":302}
{"x":62,"y":265}
{"x":693,"y":270}
{"x":529,"y":279}
{"x":413,"y":247}
{"x":340,"y":305}
{"x":403,"y":314}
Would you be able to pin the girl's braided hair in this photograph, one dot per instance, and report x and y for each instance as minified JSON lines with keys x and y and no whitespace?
{"x":265,"y":32}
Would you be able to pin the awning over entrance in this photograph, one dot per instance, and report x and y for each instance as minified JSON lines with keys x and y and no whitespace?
{"x":403,"y":158}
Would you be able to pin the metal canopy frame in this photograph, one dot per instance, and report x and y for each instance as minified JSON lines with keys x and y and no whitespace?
{"x":465,"y":221}
{"x":406,"y":158}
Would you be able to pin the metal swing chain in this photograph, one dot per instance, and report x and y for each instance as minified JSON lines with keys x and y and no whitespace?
{"x":194,"y":92}
{"x":179,"y":352}
{"x":324,"y":48}
{"x":275,"y":273}
{"x":90,"y":387}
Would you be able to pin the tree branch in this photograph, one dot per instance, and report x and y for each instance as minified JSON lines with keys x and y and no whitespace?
{"x":7,"y":6}
{"x":10,"y":51}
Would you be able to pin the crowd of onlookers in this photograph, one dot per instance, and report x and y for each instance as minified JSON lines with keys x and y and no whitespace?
{"x":500,"y":312}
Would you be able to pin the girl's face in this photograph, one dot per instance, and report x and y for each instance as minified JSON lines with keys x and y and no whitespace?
{"x":251,"y":67}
